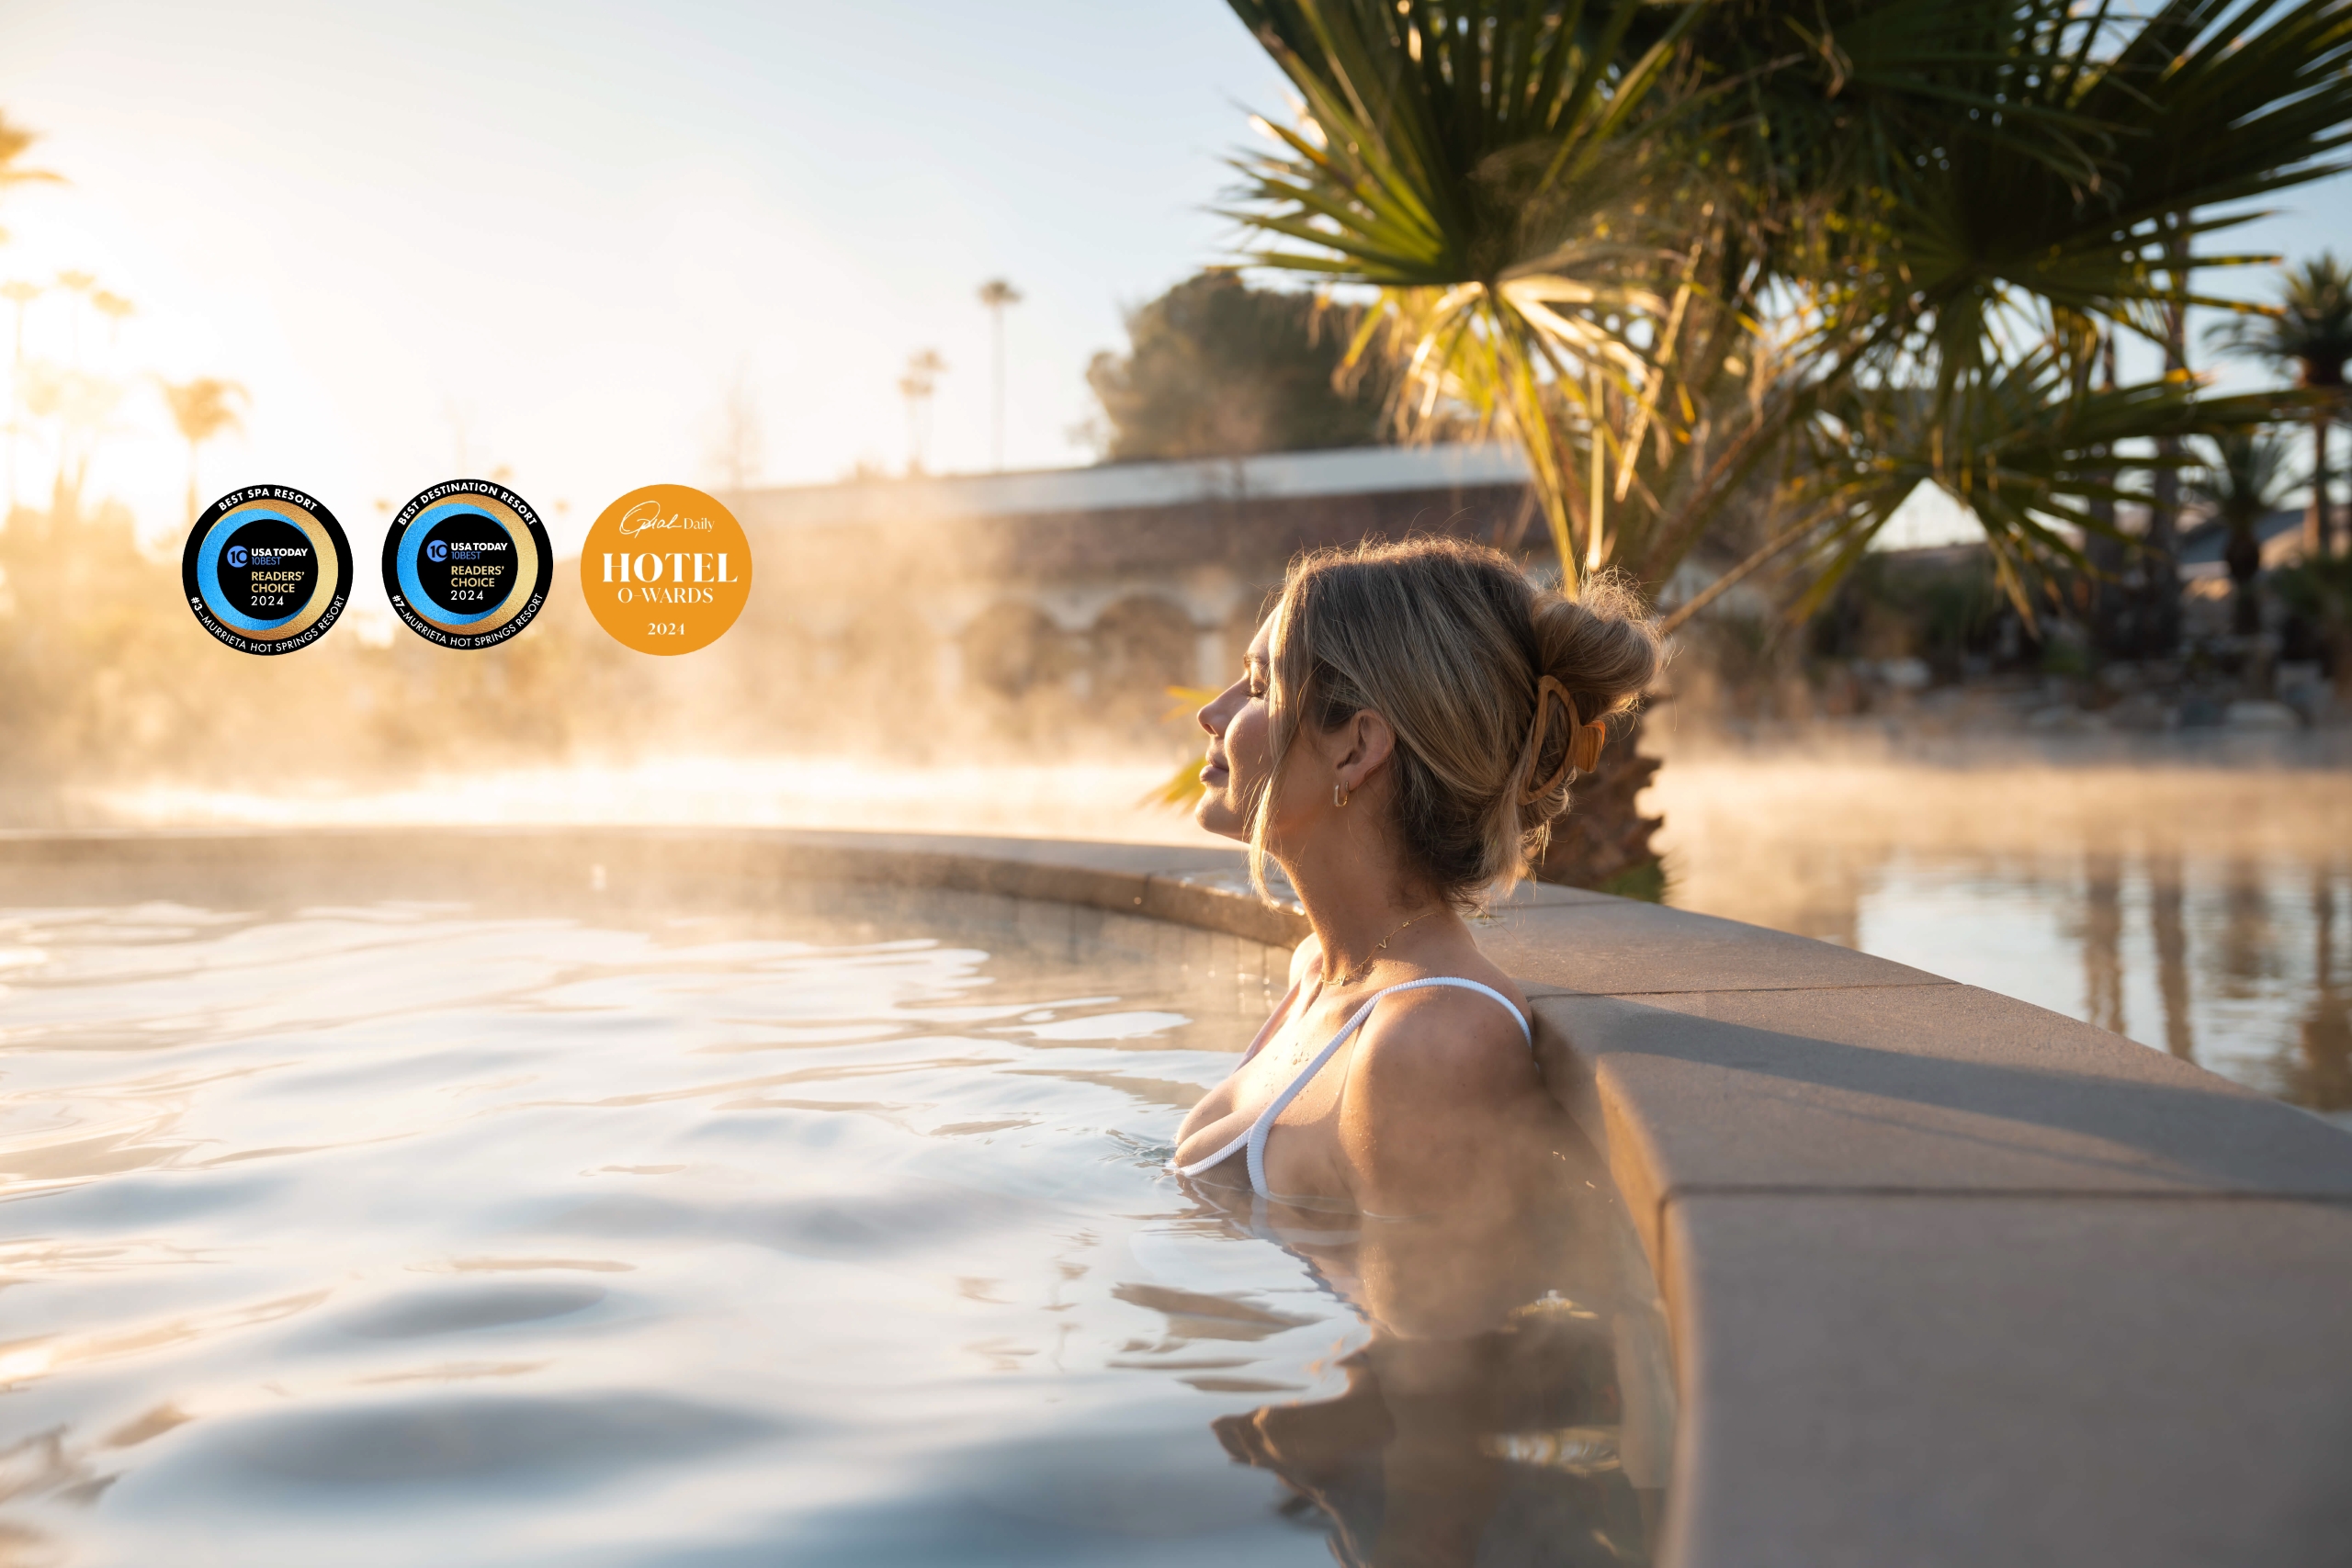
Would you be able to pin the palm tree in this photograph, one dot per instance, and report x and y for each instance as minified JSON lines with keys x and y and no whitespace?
{"x":80,"y":285}
{"x":1630,"y":236}
{"x":1749,"y":271}
{"x":920,"y":379}
{"x":2309,"y":331}
{"x":15,"y":142}
{"x":995,"y":295}
{"x":736,"y":454}
{"x":2243,"y":485}
{"x":19,"y":293}
{"x":202,"y":409}
{"x":117,"y":311}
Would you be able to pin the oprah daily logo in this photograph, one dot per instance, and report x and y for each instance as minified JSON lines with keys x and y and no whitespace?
{"x":666,"y":569}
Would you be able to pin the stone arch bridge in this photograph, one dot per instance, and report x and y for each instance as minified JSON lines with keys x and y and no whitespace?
{"x":1106,"y":585}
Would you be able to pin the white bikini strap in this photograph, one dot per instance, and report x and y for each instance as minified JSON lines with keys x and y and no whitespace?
{"x":1265,"y":1122}
{"x":1265,"y":1032}
{"x":1263,"y":1126}
{"x":1517,"y":1017}
{"x":1254,"y":1139}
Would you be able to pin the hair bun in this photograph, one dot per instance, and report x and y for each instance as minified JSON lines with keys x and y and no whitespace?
{"x":1461,"y":654}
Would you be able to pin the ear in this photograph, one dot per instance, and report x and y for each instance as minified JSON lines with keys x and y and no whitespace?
{"x":1365,"y":745}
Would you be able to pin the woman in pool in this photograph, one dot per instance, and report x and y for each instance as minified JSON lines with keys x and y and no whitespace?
{"x":1407,"y":729}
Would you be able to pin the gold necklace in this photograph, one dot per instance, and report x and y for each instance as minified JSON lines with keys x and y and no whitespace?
{"x":1350,"y":977}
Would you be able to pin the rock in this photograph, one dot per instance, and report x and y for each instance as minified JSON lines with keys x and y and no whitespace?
{"x":2200,"y":713}
{"x":2065,"y":719}
{"x":2260,"y":717}
{"x":1906,"y":674}
{"x":2142,"y":713}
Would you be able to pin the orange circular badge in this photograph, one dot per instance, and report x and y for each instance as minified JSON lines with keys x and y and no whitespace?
{"x":666,"y":569}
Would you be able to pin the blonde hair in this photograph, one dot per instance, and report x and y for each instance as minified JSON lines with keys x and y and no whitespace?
{"x":1447,"y":641}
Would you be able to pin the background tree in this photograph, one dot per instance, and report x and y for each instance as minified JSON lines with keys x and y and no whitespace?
{"x":995,"y":295}
{"x":2243,"y":485}
{"x":916,"y":385}
{"x":18,"y":293}
{"x":201,"y":410}
{"x":1216,"y":369}
{"x":2308,"y":334}
{"x":736,"y":449}
{"x":117,"y":311}
{"x":15,"y":142}
{"x":78,"y":287}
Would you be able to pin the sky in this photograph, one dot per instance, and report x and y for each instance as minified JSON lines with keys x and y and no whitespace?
{"x":554,"y":239}
{"x":558,"y":241}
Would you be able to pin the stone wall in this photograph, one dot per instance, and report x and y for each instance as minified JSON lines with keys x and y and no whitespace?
{"x":1109,"y":604}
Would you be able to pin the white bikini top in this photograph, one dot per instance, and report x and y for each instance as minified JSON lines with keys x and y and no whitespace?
{"x":1255,"y":1138}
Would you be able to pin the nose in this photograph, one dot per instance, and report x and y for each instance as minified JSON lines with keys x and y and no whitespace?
{"x":1214,"y":714}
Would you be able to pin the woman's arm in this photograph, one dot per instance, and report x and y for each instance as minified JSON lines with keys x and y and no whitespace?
{"x":1448,"y":1132}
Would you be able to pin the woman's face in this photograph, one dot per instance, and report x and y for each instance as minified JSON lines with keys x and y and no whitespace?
{"x":1240,"y":741}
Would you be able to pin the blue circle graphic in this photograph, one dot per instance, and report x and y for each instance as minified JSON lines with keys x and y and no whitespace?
{"x":208,"y":568}
{"x":411,"y":588}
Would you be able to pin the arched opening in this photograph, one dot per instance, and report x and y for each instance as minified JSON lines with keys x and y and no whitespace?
{"x":1010,"y":649}
{"x":1141,"y":646}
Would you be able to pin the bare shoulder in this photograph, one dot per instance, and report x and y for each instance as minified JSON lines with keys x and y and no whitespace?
{"x":1443,"y":1045}
{"x":1306,"y":959}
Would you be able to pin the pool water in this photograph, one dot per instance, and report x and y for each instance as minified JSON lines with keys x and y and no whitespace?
{"x":2206,"y":912}
{"x":556,"y":1227}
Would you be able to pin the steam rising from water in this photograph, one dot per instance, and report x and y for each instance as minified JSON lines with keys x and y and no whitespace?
{"x":1098,"y":801}
{"x":2200,"y":909}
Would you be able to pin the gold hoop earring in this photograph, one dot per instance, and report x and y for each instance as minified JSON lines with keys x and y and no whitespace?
{"x":1339,"y":795}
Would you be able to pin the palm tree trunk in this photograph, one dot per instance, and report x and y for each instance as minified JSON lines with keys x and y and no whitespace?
{"x":2319,"y":535}
{"x":1604,"y":840}
{"x":2244,"y":558}
{"x":2315,"y":514}
{"x":2108,"y":609}
{"x":2161,"y":565}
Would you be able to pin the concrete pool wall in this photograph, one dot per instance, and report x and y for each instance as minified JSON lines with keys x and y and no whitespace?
{"x":1951,"y":1279}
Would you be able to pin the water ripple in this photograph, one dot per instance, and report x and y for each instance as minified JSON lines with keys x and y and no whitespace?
{"x":388,"y":1232}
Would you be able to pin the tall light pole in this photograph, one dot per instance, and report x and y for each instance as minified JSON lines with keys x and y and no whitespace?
{"x":995,"y":294}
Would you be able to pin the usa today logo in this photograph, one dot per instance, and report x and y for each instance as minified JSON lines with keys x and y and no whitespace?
{"x":267,"y":569}
{"x":467,"y":564}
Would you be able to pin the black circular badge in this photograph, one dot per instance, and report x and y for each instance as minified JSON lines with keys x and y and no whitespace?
{"x":467,"y":564}
{"x":267,"y":569}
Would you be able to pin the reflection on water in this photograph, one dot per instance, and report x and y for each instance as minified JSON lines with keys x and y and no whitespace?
{"x":2204,"y":913}
{"x":1517,"y":1446}
{"x":395,"y":1229}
